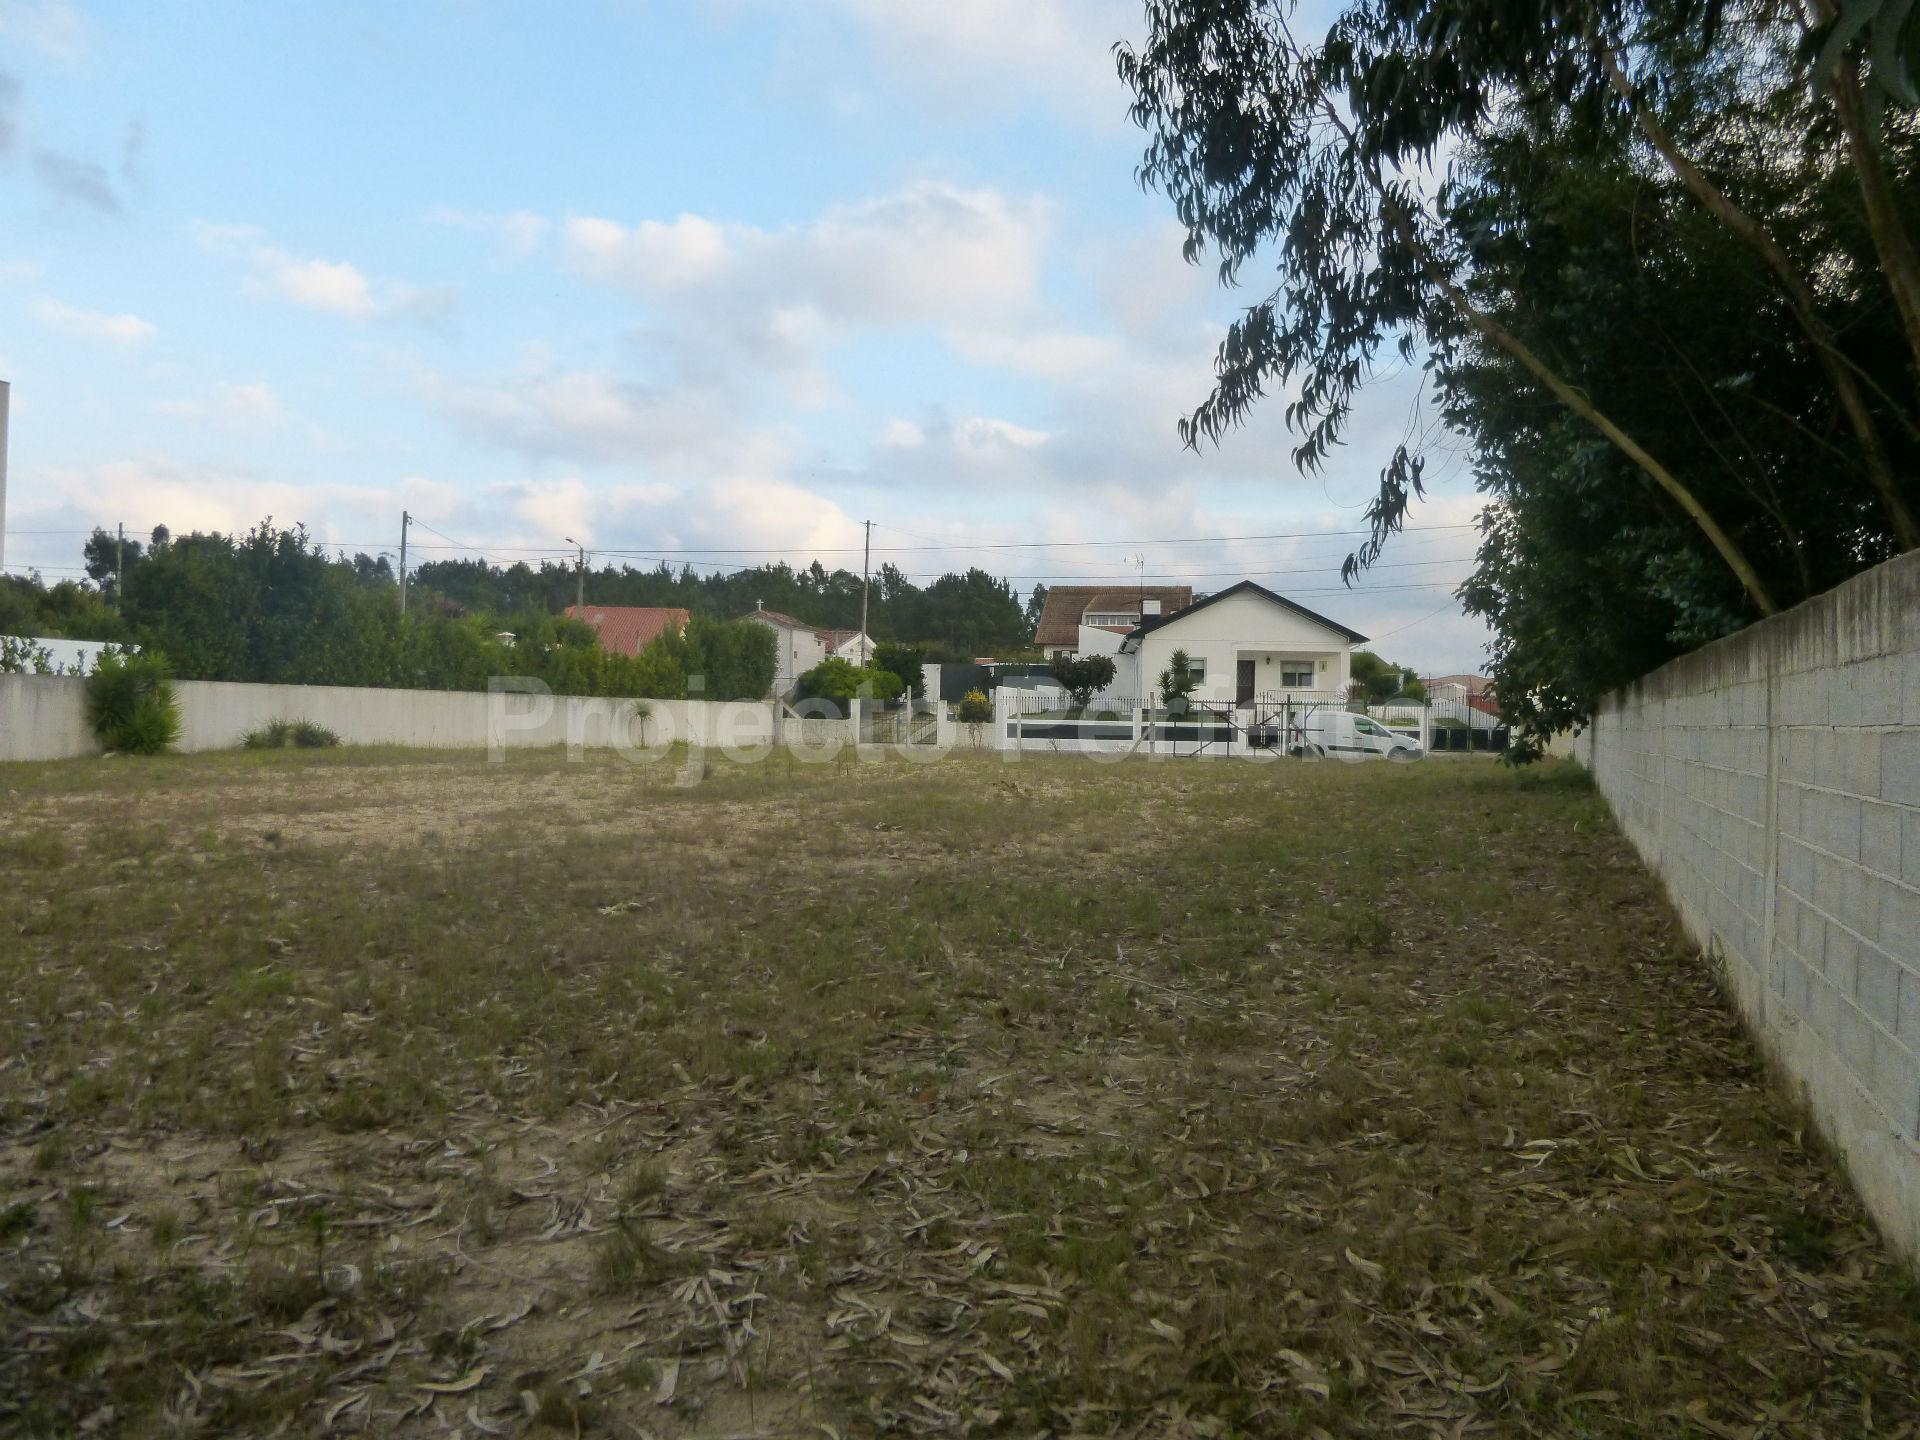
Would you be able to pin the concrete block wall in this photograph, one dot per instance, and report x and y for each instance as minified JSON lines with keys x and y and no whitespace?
{"x":1772,"y":781}
{"x":42,"y":717}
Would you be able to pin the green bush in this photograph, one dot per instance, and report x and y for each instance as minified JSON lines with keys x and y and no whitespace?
{"x":975,"y":708}
{"x":130,"y":703}
{"x":1081,"y":675}
{"x":290,"y":735}
{"x":907,"y":661}
{"x":1178,"y":682}
{"x":841,"y":680}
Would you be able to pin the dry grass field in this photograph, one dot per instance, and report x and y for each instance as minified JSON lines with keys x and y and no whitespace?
{"x":360,"y":1092}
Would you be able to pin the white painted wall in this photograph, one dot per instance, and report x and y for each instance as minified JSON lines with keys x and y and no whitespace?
{"x":1225,"y":630}
{"x":73,"y":657}
{"x":856,"y":649}
{"x":1772,"y":781}
{"x":795,"y":652}
{"x":42,"y":717}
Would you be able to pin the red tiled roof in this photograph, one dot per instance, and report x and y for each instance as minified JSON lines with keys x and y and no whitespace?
{"x":629,"y":629}
{"x":834,"y":639}
{"x":1059,"y":622}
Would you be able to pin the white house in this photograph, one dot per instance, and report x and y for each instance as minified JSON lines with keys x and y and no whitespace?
{"x":1242,"y":643}
{"x":1071,"y":611}
{"x":798,"y":646}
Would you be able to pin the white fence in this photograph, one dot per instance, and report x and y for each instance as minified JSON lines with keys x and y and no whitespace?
{"x":1267,"y":726}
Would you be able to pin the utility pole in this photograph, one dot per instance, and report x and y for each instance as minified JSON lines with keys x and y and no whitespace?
{"x":866,"y":584}
{"x":119,"y":562}
{"x":405,"y":520}
{"x":580,"y":576}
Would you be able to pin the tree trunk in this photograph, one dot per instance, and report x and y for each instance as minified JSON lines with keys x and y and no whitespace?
{"x":1498,"y":334}
{"x":1800,"y":298}
{"x":1899,"y":262}
{"x":1898,"y":259}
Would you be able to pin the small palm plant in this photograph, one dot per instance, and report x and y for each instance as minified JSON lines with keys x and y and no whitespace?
{"x":131,"y":705}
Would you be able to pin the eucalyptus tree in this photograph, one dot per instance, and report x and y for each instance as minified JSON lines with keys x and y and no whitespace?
{"x":1322,"y":154}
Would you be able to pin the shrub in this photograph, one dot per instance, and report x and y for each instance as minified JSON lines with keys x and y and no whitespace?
{"x":1178,"y":682}
{"x":290,"y":735}
{"x":130,"y":703}
{"x":975,"y":708}
{"x":1081,"y":675}
{"x":907,"y":661}
{"x":841,"y":680}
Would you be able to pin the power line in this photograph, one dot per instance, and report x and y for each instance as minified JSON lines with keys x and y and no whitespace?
{"x":421,"y":524}
{"x":995,"y":545}
{"x":684,"y":556}
{"x":1411,"y":623}
{"x":1099,"y":579}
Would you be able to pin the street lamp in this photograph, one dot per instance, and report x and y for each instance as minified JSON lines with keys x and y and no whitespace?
{"x":580,"y":587}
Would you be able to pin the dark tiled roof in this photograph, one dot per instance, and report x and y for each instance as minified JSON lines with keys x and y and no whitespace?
{"x":778,"y":617}
{"x":1059,"y":622}
{"x":1247,"y":587}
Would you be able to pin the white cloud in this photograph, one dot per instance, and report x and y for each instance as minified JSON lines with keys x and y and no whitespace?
{"x":520,"y":230}
{"x":250,"y":406}
{"x":585,"y":414}
{"x":571,"y":509}
{"x":1047,"y":354}
{"x":965,"y":58}
{"x":53,"y":27}
{"x":334,"y":287}
{"x":750,"y":310}
{"x":982,"y":435}
{"x":257,"y":401}
{"x":1006,"y":52}
{"x":928,"y":251}
{"x":185,"y":496}
{"x":123,"y":329}
{"x":14,"y":272}
{"x":653,"y":256}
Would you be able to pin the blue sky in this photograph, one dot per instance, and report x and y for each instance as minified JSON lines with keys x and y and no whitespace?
{"x":709,"y":281}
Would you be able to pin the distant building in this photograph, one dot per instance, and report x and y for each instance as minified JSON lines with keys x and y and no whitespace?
{"x":800,"y":646}
{"x":1101,"y":607}
{"x":629,"y":629}
{"x":1472,"y":684}
{"x":1242,"y":644}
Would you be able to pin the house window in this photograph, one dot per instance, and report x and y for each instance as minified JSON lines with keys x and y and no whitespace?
{"x":1296,"y":674}
{"x":1109,"y":617}
{"x":1198,"y":669}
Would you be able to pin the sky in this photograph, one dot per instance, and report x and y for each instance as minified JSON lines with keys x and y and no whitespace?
{"x":709,"y":282}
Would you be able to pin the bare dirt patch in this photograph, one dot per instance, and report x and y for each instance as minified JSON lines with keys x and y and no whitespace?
{"x":1066,"y":1098}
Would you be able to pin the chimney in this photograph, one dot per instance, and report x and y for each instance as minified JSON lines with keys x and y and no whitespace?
{"x":1149,"y":609}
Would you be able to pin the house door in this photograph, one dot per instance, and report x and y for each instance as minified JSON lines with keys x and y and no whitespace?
{"x":1243,"y":683}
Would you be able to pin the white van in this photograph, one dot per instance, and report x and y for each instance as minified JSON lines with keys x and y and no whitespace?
{"x":1347,"y":736}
